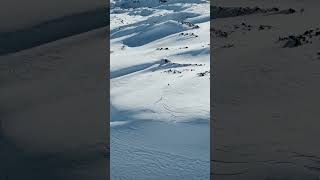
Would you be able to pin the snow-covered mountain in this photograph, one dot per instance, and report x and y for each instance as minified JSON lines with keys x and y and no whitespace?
{"x":160,"y":61}
{"x":160,"y":77}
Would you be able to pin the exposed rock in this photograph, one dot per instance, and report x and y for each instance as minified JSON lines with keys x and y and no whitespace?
{"x":298,"y":40}
{"x":292,"y":42}
{"x":172,"y":71}
{"x":263,"y":27}
{"x":219,"y":33}
{"x":203,"y":73}
{"x":224,"y":12}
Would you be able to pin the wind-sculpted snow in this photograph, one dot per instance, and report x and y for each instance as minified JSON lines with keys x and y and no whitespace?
{"x":160,"y":73}
{"x":159,"y":156}
{"x":139,"y":46}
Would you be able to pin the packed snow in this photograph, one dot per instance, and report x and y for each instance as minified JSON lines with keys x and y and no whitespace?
{"x":160,"y":89}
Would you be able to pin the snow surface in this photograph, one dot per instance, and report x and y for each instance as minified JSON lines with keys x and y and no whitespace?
{"x":160,"y":89}
{"x":267,"y":102}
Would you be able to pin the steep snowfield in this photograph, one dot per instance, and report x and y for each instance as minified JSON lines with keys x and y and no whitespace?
{"x":267,"y":92}
{"x":160,"y":77}
{"x":160,"y":62}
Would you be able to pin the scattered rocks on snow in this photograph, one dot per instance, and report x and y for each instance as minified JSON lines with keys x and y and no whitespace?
{"x":301,"y":39}
{"x":189,"y":24}
{"x":219,"y":33}
{"x":170,"y":71}
{"x":293,"y":41}
{"x":188,"y":34}
{"x":224,"y":12}
{"x":165,"y":61}
{"x":245,"y":26}
{"x":203,"y":73}
{"x":192,"y":64}
{"x":248,"y":27}
{"x":160,"y":49}
{"x":263,"y":27}
{"x":174,"y":71}
{"x":287,"y":11}
{"x":196,"y":64}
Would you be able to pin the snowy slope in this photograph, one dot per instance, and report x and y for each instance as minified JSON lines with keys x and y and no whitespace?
{"x":160,"y":77}
{"x":267,"y":92}
{"x":160,"y":61}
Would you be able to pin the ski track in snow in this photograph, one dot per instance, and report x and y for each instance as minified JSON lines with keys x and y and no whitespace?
{"x":141,"y":158}
{"x":160,"y":64}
